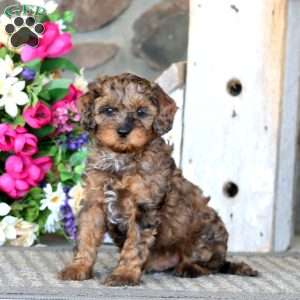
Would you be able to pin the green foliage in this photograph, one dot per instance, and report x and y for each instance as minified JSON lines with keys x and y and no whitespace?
{"x":55,"y":16}
{"x":29,"y":208}
{"x":19,"y":121}
{"x":55,"y":90}
{"x":34,"y":65}
{"x":53,"y":64}
{"x":70,"y":165}
{"x":35,"y":88}
{"x":68,"y":16}
{"x":44,"y":131}
{"x":3,"y":52}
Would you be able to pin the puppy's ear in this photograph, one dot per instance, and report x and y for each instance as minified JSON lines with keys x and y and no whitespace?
{"x":167,"y":109}
{"x":86,"y":110}
{"x":86,"y":104}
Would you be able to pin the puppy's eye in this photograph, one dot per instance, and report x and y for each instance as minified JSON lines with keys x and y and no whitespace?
{"x":142,"y":112}
{"x":108,"y":111}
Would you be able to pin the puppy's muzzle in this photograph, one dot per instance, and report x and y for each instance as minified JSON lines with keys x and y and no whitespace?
{"x":125,"y":128}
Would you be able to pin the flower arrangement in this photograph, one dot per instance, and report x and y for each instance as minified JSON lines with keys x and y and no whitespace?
{"x":42,"y":147}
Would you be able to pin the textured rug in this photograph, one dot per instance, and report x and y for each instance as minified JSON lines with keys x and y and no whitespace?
{"x":31,"y":274}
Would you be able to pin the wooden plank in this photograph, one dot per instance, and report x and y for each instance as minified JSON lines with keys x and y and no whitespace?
{"x":236,"y":138}
{"x":172,"y":80}
{"x":283,"y":230}
{"x":174,"y":137}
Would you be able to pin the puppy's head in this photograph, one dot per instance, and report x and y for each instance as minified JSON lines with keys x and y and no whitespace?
{"x":126,"y":112}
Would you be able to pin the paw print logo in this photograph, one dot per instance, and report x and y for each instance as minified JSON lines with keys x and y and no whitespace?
{"x":24,"y":31}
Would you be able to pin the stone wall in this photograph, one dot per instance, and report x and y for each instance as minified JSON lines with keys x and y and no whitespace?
{"x":139,"y":36}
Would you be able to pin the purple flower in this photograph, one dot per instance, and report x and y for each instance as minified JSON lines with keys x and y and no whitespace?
{"x":68,"y":220}
{"x":76,"y":142}
{"x":28,"y":74}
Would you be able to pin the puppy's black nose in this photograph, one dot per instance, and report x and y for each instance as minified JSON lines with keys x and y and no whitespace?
{"x":125,"y":129}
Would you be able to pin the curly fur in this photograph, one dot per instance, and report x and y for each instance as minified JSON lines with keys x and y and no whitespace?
{"x":134,"y":191}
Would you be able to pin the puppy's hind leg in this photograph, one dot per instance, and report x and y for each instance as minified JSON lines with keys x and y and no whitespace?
{"x":191,"y":270}
{"x":91,"y":231}
{"x":205,"y":253}
{"x":238,"y":268}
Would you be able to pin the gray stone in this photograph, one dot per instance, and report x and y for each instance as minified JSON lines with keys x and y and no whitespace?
{"x":4,"y":4}
{"x":93,"y":14}
{"x":91,"y":55}
{"x":173,"y":78}
{"x":161,"y":33}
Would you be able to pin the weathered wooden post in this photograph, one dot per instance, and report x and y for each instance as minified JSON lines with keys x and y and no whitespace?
{"x":240,"y":115}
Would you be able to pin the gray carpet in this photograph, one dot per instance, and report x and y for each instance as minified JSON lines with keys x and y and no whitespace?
{"x":30,"y":274}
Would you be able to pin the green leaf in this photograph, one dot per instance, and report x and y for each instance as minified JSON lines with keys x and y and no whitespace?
{"x":55,"y":16}
{"x":35,"y":194}
{"x":77,"y":158}
{"x":62,"y":63}
{"x":32,"y":213}
{"x":68,"y":16}
{"x":3,"y":52}
{"x":44,"y":95}
{"x":57,"y":94}
{"x":59,"y":84}
{"x":34,"y":65}
{"x":79,"y":169}
{"x":58,"y":157}
{"x":43,"y":216}
{"x":52,"y":151}
{"x":19,"y":120}
{"x":64,"y":176}
{"x":46,"y":130}
{"x":55,"y":90}
{"x":18,"y":206}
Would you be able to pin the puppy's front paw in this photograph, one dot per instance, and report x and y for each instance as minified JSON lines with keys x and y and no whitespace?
{"x":121,"y":280}
{"x":75,"y":272}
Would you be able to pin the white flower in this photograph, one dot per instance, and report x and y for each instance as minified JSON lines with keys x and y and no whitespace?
{"x":76,"y":197}
{"x":80,"y":82}
{"x":17,"y":232}
{"x":7,"y":67}
{"x":26,"y":233}
{"x":4,"y":209}
{"x":8,"y":224}
{"x":12,"y":93}
{"x":2,"y":236}
{"x":61,"y":24}
{"x":53,"y":199}
{"x":50,"y":6}
{"x":3,"y":80}
{"x":53,"y":222}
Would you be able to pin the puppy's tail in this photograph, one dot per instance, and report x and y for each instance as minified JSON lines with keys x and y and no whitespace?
{"x":238,"y":268}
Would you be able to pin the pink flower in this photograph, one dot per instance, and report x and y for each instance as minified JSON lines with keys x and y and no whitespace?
{"x":23,"y":173}
{"x":65,"y":111}
{"x":16,"y":166}
{"x":44,"y":163}
{"x":37,"y":116}
{"x":15,"y":188}
{"x":7,"y":137}
{"x":25,"y":143}
{"x":52,"y":44}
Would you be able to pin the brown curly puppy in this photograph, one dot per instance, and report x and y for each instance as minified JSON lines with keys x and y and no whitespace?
{"x":134,"y":191}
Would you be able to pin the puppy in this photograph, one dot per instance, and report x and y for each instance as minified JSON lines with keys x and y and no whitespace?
{"x":134,"y":191}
